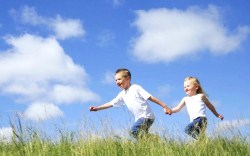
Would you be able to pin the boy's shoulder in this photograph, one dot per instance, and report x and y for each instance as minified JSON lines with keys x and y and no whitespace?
{"x":135,"y":85}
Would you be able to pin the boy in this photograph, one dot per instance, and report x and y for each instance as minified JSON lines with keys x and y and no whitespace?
{"x":135,"y":98}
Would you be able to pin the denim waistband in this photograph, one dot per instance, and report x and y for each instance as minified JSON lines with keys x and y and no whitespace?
{"x":201,"y":117}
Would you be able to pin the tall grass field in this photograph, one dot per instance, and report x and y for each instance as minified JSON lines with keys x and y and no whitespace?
{"x":30,"y":141}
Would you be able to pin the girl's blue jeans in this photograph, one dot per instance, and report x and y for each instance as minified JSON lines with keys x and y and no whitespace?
{"x":196,"y":127}
{"x":141,"y":127}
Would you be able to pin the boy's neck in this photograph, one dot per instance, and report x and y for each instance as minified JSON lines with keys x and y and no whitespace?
{"x":127,"y":87}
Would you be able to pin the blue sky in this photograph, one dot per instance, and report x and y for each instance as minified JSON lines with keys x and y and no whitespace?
{"x":57,"y":58}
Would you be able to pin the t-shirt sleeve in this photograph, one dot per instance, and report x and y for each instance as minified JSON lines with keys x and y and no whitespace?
{"x":117,"y":101}
{"x":144,"y":94}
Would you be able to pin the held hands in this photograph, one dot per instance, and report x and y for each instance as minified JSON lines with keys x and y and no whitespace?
{"x":167,"y":111}
{"x":93,"y":108}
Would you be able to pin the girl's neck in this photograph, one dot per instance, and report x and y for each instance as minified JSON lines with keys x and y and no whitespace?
{"x":192,"y":95}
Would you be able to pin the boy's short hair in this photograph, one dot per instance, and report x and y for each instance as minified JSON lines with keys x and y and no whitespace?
{"x":125,"y":72}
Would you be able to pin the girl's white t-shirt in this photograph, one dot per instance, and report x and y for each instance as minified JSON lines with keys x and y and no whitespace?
{"x":135,"y":98}
{"x":195,"y":106}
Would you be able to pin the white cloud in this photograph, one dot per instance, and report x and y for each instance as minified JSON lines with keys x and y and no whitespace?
{"x":37,"y":69}
{"x":42,"y":111}
{"x":6,"y":134}
{"x":63,"y":28}
{"x":29,"y":15}
{"x":169,"y":34}
{"x":70,"y":94}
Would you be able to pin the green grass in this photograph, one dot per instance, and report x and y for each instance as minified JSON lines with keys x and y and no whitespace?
{"x":110,"y":146}
{"x":28,"y":141}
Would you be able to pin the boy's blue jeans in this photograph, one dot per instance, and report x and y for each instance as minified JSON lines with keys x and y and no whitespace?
{"x":196,"y":127}
{"x":141,"y":126}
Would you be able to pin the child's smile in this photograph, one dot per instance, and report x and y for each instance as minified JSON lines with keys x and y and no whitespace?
{"x":121,"y":81}
{"x":190,"y":89}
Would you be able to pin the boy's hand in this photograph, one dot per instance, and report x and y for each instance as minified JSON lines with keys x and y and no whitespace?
{"x":220,"y":116}
{"x":92,"y":108}
{"x":167,"y":111}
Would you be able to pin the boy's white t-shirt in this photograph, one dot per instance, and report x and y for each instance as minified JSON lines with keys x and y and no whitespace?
{"x":195,"y":106}
{"x":135,"y":98}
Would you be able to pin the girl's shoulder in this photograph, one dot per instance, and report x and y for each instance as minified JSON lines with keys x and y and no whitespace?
{"x":197,"y":96}
{"x":200,"y":95}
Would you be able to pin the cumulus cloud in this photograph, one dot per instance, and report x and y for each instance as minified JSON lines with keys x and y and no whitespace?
{"x":169,"y":34}
{"x":37,"y":69}
{"x":42,"y":111}
{"x":63,"y":28}
{"x":71,"y":93}
{"x":29,"y":15}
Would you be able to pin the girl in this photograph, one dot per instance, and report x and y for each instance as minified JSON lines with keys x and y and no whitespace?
{"x":196,"y":103}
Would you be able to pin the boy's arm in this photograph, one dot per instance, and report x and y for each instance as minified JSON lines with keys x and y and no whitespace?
{"x":159,"y":102}
{"x":179,"y":106}
{"x":211,"y":107}
{"x":104,"y":106}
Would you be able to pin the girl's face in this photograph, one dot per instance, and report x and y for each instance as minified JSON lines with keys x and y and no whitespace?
{"x":121,"y":81}
{"x":190,"y":88}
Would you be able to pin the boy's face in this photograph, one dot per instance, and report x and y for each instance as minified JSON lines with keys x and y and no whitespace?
{"x":121,"y":81}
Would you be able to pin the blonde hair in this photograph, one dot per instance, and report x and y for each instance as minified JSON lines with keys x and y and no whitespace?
{"x":125,"y":72}
{"x":195,"y":81}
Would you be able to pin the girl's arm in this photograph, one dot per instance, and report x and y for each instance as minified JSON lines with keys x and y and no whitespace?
{"x":179,"y":106}
{"x":104,"y":106}
{"x":211,"y":107}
